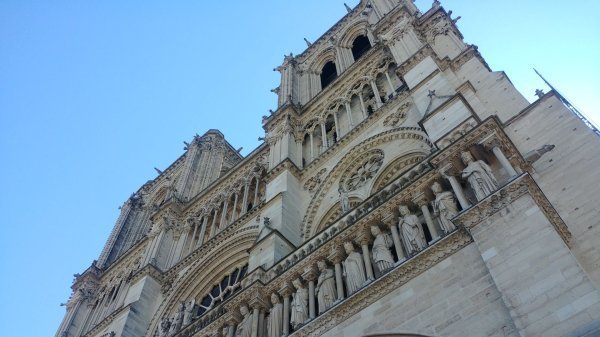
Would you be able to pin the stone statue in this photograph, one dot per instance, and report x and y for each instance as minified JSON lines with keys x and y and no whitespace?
{"x":275,"y":322}
{"x":244,"y":328}
{"x":344,"y":200}
{"x":412,"y":232}
{"x":382,"y":256}
{"x":354,"y":269}
{"x":178,"y":321}
{"x":299,"y":305}
{"x":165,"y":325}
{"x":444,"y":206}
{"x":326,"y":291}
{"x":189,"y":312}
{"x":479,"y":175}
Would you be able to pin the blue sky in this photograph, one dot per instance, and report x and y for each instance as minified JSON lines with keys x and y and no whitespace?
{"x":95,"y":94}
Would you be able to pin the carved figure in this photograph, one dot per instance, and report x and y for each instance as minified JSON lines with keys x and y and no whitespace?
{"x":189,"y":312}
{"x":165,"y":325}
{"x":275,"y":322}
{"x":299,"y":305}
{"x":412,"y":232}
{"x":382,"y":256}
{"x":178,"y":321}
{"x":445,"y":207}
{"x":354,"y":269}
{"x":344,"y":200}
{"x":326,"y":291}
{"x":244,"y":328}
{"x":479,"y":175}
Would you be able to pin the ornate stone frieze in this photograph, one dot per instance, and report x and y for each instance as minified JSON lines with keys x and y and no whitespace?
{"x":396,"y":118}
{"x":314,"y":181}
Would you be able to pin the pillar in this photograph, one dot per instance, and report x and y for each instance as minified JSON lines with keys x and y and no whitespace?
{"x":235,"y":202}
{"x":202,"y":231}
{"x":397,"y":244}
{"x":389,"y":80}
{"x":312,"y":151}
{"x":324,"y":137}
{"x":255,"y":314}
{"x":310,"y":274}
{"x":255,"y":203}
{"x":458,"y":191}
{"x":429,"y":221}
{"x":337,"y":259}
{"x":367,"y":257}
{"x":362,"y":105}
{"x":286,"y":291}
{"x":376,"y":94}
{"x":349,"y":113}
{"x":337,"y":125}
{"x":231,"y":330}
{"x":504,"y":161}
{"x":245,"y":199}
{"x":213,"y":227}
{"x":223,"y":222}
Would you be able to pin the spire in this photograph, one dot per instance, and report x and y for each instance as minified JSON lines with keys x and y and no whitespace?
{"x":347,"y":8}
{"x":308,"y":43}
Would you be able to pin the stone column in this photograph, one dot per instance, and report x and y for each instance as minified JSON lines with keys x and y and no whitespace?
{"x":337,"y":257}
{"x":421,"y":200}
{"x":337,"y":125}
{"x":213,"y":228}
{"x":261,"y":322}
{"x":311,"y":274}
{"x":256,"y":191}
{"x":324,"y":137}
{"x":312,"y":151}
{"x":245,"y":199}
{"x":202,"y":231}
{"x":396,"y":239}
{"x":362,"y":105}
{"x":235,"y":202}
{"x":223,"y":221}
{"x":389,"y":80}
{"x":365,"y":239}
{"x":376,"y":94}
{"x":504,"y":161}
{"x":456,"y":188}
{"x":286,"y":291}
{"x":193,"y":238}
{"x":349,"y":113}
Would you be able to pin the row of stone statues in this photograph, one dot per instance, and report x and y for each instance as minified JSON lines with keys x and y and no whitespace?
{"x":182,"y":318}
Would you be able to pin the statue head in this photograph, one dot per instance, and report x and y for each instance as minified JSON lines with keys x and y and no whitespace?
{"x":349,"y":247}
{"x":244,"y":310}
{"x":297,"y":283}
{"x":375,"y":230}
{"x":404,"y":210}
{"x":321,"y":265}
{"x":274,"y":298}
{"x":436,"y":188}
{"x":466,"y":157}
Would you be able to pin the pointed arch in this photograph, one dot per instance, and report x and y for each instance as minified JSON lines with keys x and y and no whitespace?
{"x":334,"y":213}
{"x":395,"y":169}
{"x":414,"y":140}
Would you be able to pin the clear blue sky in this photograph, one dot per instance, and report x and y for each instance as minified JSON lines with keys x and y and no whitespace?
{"x":95,"y":94}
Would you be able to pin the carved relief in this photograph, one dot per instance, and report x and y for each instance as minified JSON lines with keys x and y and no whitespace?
{"x":397,"y":117}
{"x":357,"y":176}
{"x":315,"y":181}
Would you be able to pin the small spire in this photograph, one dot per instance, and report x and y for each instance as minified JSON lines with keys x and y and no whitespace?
{"x":539,"y":93}
{"x":347,"y":8}
{"x":308,"y":43}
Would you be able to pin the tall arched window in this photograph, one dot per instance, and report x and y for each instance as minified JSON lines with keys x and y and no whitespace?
{"x":360,"y":46}
{"x":328,"y":74}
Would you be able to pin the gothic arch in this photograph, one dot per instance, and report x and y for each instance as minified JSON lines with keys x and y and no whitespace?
{"x":222,"y":259}
{"x":395,"y":168}
{"x":351,"y":32}
{"x":327,"y":55}
{"x":422,"y":143}
{"x":334,"y":213}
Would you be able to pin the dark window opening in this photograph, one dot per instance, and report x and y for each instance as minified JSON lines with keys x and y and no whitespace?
{"x":360,"y":47}
{"x":328,"y":74}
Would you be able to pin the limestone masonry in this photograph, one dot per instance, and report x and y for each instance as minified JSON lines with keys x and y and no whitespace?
{"x":403,"y":189}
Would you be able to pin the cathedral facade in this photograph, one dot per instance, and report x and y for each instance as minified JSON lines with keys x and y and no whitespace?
{"x":403,"y":188}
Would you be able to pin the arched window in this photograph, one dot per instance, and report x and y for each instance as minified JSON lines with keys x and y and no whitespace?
{"x":328,"y":74}
{"x":360,"y":46}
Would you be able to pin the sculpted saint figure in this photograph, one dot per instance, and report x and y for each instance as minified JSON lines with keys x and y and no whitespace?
{"x":445,"y":206}
{"x":326,"y":292}
{"x":244,"y":328}
{"x":178,"y":321}
{"x":299,"y":305}
{"x":412,"y":232}
{"x":275,"y":322}
{"x":344,"y":200}
{"x":354,"y":269}
{"x":165,"y":325}
{"x":189,"y":312}
{"x":479,"y":176}
{"x":382,"y":256}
